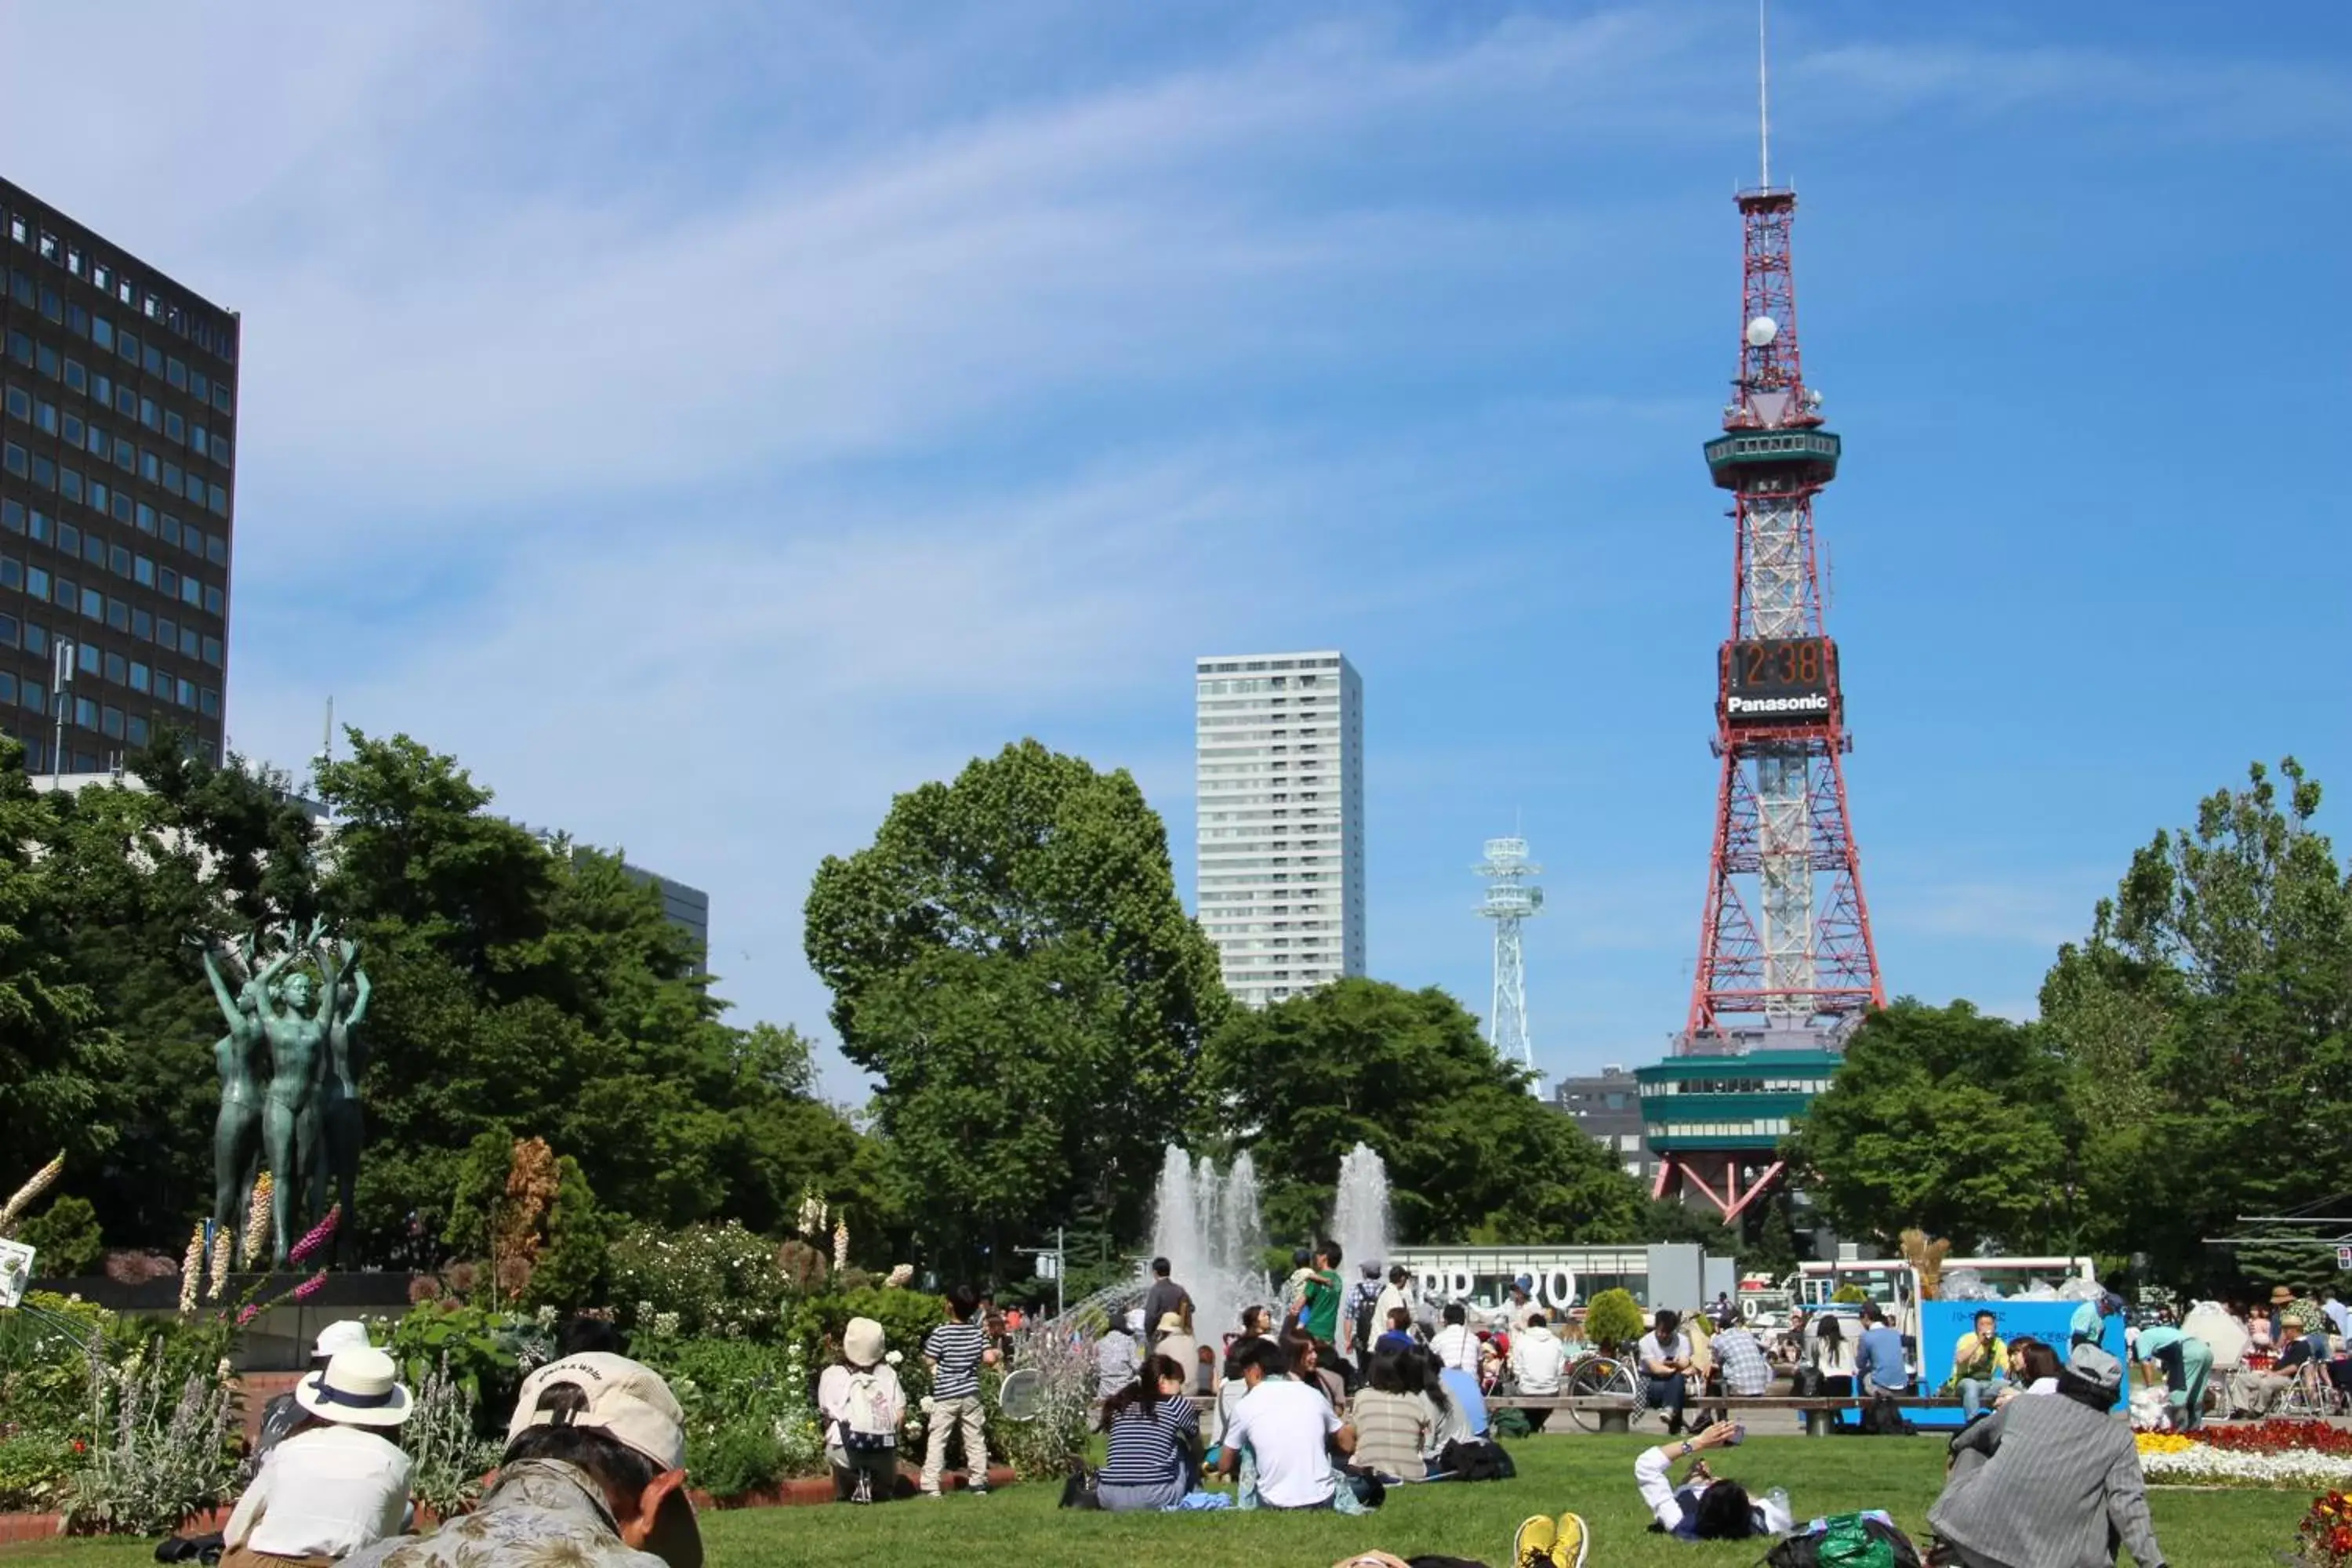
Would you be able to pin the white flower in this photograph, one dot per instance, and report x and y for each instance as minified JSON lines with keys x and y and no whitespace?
{"x":894,"y":1358}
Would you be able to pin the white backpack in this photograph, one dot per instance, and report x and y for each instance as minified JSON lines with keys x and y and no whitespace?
{"x":872,"y":1422}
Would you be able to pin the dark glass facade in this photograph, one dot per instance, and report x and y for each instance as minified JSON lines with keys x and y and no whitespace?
{"x":117,"y":491}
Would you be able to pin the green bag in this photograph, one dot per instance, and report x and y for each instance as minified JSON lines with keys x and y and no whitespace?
{"x":1847,"y":1541}
{"x":1512,"y":1422}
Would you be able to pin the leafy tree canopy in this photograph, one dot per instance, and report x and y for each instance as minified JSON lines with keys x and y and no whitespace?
{"x":1010,"y":959}
{"x":2210,"y":1013}
{"x":522,"y":988}
{"x":1944,"y":1119}
{"x":1471,"y":1155}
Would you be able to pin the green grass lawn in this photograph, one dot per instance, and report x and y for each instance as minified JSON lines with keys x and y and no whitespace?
{"x":1020,"y":1525}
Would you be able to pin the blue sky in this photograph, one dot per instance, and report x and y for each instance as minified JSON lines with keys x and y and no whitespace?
{"x":709,"y":420}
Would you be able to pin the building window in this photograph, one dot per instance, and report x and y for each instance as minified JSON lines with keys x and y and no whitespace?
{"x":93,"y":604}
{"x":142,"y":571}
{"x":138,"y":727}
{"x":117,"y":670}
{"x":138,"y":676}
{"x":209,"y":702}
{"x":85,"y":712}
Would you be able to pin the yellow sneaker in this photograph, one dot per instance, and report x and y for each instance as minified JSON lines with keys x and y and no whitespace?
{"x":1570,"y":1541}
{"x":1531,"y":1548}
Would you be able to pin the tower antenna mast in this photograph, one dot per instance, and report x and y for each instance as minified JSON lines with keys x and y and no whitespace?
{"x":1763,"y":99}
{"x":1511,"y":899}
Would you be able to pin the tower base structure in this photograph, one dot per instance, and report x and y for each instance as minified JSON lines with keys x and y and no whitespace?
{"x":1715,"y":1120}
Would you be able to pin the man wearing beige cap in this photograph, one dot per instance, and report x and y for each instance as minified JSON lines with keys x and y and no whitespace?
{"x":593,"y":1477}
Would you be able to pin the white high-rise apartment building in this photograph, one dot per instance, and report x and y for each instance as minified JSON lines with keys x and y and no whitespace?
{"x":1280,"y":756}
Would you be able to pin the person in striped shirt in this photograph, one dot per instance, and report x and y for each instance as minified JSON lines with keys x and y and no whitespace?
{"x":955,"y":1352}
{"x":1152,"y":1428}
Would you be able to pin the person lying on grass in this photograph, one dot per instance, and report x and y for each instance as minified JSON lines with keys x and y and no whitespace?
{"x":1704,"y":1506}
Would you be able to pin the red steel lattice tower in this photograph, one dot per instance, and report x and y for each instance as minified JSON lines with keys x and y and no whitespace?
{"x":1786,"y":960}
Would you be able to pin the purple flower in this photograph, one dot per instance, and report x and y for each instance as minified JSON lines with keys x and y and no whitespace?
{"x":309,"y":1287}
{"x":316,"y":1236}
{"x":248,"y":1313}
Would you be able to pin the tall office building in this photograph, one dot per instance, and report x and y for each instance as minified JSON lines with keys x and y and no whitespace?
{"x":116,"y":473}
{"x":1280,"y":758}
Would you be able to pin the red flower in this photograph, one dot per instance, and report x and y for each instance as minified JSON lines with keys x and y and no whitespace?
{"x":79,"y":1446}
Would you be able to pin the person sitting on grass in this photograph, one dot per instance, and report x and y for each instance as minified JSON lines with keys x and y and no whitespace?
{"x":1394,"y":1418}
{"x":338,"y":1482}
{"x":2052,"y":1481}
{"x":1398,"y":1336}
{"x":1117,"y":1357}
{"x":1461,"y":1405}
{"x":593,"y":1477}
{"x":1303,"y":1357}
{"x":1153,"y":1429}
{"x":2034,"y":1369}
{"x":1288,"y":1431}
{"x":1703,"y":1506}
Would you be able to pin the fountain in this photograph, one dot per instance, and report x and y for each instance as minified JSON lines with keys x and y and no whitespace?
{"x":1206,"y":1225}
{"x":1359,"y":1210}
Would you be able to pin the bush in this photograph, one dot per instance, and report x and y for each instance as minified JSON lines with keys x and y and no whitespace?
{"x":448,"y":1456}
{"x":737,"y":1456}
{"x":484,"y":1351}
{"x":1046,"y":1446}
{"x":750,"y":1410}
{"x":906,"y":1316}
{"x":162,"y":1458}
{"x":1613,"y":1319}
{"x":66,"y":1238}
{"x":705,"y":1279}
{"x":45,"y":1383}
{"x":33,"y":1470}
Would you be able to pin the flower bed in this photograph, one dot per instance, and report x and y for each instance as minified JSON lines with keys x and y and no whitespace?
{"x":2282,"y":1454}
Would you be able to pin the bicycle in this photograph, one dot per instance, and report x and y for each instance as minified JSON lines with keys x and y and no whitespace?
{"x":1596,"y":1376}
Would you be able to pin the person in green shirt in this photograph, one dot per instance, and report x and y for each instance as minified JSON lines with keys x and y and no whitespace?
{"x":1323,"y":1289}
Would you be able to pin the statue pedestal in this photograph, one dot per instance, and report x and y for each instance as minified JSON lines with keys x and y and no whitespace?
{"x":280,"y":1338}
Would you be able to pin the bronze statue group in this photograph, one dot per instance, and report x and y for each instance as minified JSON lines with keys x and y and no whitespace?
{"x":289,"y":1074}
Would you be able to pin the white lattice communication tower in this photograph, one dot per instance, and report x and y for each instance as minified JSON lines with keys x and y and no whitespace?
{"x":1511,"y":899}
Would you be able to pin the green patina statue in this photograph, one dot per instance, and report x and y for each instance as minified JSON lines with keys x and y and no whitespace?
{"x":289,"y":1068}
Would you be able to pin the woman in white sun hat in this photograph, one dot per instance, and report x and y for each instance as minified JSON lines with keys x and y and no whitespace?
{"x":338,"y":1483}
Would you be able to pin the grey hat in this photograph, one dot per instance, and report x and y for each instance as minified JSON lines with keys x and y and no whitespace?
{"x":2095,"y":1367}
{"x":1372,"y":1269}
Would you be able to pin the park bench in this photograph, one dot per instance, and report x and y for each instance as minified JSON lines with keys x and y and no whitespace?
{"x":1820,"y":1412}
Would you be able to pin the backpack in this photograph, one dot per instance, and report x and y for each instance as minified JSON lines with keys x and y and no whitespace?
{"x":872,"y":1422}
{"x":1082,"y":1490}
{"x":1846,"y":1540}
{"x":1510,"y":1421}
{"x":1885,"y":1418}
{"x":1477,"y":1461}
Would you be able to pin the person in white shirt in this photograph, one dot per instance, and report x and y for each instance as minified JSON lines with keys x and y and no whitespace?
{"x":1397,"y":1292}
{"x":863,"y":1405}
{"x":1537,"y":1358}
{"x":1666,"y":1357}
{"x":336,"y":1484}
{"x":1521,"y":1305}
{"x":1456,"y":1345}
{"x":1289,"y":1430}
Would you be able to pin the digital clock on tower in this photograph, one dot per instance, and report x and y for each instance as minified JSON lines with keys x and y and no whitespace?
{"x":1779,"y":680}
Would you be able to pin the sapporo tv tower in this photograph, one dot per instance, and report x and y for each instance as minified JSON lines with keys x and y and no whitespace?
{"x":1786,"y":962}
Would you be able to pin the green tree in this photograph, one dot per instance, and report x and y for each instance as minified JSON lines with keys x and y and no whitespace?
{"x":1471,"y":1154}
{"x":523,"y":987}
{"x":2210,"y":1013}
{"x":1010,"y":959}
{"x":1614,"y":1321}
{"x":1947,"y":1119}
{"x":65,"y":1237}
{"x":57,"y":1055}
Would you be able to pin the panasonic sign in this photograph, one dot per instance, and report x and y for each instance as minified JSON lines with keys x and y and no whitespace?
{"x":1763,"y":707}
